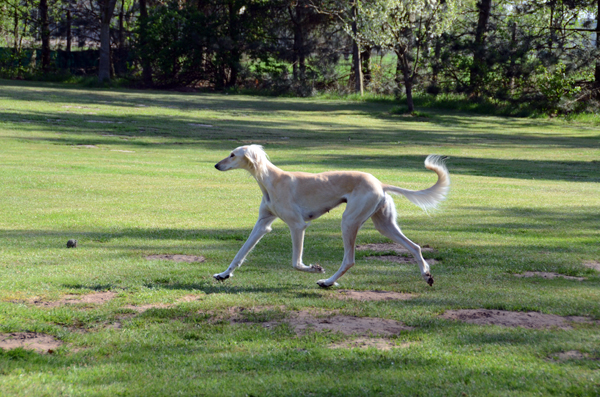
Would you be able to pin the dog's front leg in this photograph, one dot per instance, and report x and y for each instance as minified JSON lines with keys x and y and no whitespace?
{"x":262,"y":227}
{"x":297,"y":232}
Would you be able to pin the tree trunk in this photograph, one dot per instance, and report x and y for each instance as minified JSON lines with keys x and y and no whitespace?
{"x":298,"y":58}
{"x":551,"y":35}
{"x":404,"y":75}
{"x":235,"y":55}
{"x":146,"y":66}
{"x":476,"y":77}
{"x":512,"y":67}
{"x":106,"y":11}
{"x":356,"y":62}
{"x":121,"y":48}
{"x":16,"y":33}
{"x":408,"y":86}
{"x":69,"y":34}
{"x":45,"y":25}
{"x":366,"y":65}
{"x":597,"y":71}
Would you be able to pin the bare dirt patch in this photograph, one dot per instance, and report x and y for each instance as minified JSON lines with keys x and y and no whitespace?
{"x":95,"y":298}
{"x":592,"y":265}
{"x":386,"y":247}
{"x":366,"y":343}
{"x":304,"y":321}
{"x":176,"y":258}
{"x":373,"y":295}
{"x":41,"y":343}
{"x":569,"y":355}
{"x":514,"y":319}
{"x":143,"y":308}
{"x":549,"y":275}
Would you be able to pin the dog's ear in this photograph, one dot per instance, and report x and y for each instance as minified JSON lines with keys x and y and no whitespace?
{"x":257,"y":158}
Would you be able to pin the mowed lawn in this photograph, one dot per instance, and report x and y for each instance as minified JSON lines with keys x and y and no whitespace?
{"x":131,"y":173}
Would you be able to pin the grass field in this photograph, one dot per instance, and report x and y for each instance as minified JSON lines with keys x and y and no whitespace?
{"x":131,"y":173}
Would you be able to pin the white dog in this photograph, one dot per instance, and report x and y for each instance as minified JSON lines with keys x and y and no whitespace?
{"x":298,"y":198}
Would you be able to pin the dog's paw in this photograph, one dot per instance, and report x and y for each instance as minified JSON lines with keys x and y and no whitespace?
{"x":316,"y":269}
{"x":323,"y":284}
{"x":428,"y":278}
{"x":218,"y":277}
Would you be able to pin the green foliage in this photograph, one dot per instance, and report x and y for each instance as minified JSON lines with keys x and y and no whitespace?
{"x":556,"y":85}
{"x":186,"y":45}
{"x":177,"y":41}
{"x":11,"y":64}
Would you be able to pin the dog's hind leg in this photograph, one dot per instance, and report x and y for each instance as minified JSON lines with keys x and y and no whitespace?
{"x":262,"y":227}
{"x":385,"y":222}
{"x":356,"y":213}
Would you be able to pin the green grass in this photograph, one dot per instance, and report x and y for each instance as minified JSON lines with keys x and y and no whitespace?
{"x":525,"y":196}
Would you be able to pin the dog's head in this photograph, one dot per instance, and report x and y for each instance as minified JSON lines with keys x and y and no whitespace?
{"x":251,"y":158}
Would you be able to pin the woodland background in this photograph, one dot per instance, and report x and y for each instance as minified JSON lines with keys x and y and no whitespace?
{"x":530,"y":56}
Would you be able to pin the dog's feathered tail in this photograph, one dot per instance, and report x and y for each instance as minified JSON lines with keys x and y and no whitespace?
{"x":428,"y":198}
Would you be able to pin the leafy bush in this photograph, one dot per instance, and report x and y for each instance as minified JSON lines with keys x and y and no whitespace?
{"x":556,"y":85}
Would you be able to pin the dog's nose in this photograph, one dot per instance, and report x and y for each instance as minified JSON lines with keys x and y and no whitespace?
{"x":217,"y":166}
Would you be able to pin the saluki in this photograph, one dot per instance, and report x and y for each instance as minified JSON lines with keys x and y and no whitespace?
{"x":297,"y":198}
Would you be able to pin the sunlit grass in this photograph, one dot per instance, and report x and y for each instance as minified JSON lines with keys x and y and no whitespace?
{"x":131,"y":173}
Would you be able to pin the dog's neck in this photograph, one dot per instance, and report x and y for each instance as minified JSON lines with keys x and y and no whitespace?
{"x":265,"y":179}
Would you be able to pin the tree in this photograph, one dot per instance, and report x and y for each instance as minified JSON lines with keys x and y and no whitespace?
{"x":356,"y":55}
{"x":143,"y":31}
{"x":404,"y":27}
{"x":45,"y":34}
{"x":107,"y":8}
{"x":484,"y":8}
{"x":597,"y":69}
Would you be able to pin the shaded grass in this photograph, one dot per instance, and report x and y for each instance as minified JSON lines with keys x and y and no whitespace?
{"x":524,"y":198}
{"x":462,"y":103}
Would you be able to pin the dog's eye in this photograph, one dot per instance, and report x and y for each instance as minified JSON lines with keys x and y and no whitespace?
{"x":232,"y":155}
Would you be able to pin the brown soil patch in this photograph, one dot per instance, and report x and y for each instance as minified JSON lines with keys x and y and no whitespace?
{"x":30,"y":341}
{"x":400,"y":259}
{"x":513,"y":319}
{"x":386,"y":247}
{"x":373,"y":295}
{"x":549,"y":275}
{"x":570,"y":355}
{"x":304,"y":321}
{"x":176,"y":258}
{"x":592,"y":265}
{"x":96,"y":298}
{"x":365,"y":343}
{"x":143,"y":308}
